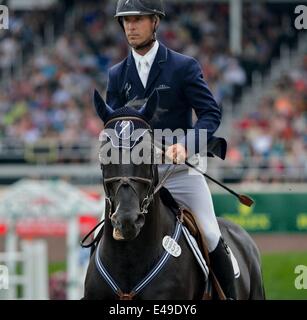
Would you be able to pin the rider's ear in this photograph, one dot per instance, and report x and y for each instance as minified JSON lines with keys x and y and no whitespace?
{"x":157,"y":21}
{"x":102,"y":109}
{"x":150,"y":106}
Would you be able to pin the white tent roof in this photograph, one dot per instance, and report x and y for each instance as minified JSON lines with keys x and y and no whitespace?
{"x":45,"y":198}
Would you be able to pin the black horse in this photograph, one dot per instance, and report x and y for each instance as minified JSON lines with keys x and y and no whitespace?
{"x":130,"y":260}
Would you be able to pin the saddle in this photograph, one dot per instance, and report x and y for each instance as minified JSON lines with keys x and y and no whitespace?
{"x":190,"y":223}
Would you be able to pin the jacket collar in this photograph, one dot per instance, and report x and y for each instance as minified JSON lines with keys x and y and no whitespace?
{"x":160,"y":57}
{"x":149,"y":56}
{"x":132,"y":74}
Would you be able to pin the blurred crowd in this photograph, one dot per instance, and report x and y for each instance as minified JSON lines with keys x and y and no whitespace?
{"x":270,"y":144}
{"x":52,"y":99}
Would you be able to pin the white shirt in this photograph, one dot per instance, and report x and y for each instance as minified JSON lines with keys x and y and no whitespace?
{"x":144,"y":63}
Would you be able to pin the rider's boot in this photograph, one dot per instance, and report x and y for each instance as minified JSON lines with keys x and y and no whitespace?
{"x":221,"y":264}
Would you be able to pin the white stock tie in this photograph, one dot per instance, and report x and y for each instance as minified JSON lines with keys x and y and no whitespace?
{"x":144,"y":69}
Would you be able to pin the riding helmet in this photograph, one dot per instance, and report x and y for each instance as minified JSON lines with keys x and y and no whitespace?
{"x":139,"y":8}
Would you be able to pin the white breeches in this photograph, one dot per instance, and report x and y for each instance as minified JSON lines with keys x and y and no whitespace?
{"x":192,"y":192}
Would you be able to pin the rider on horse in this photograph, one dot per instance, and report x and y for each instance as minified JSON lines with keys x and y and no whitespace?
{"x":150,"y":65}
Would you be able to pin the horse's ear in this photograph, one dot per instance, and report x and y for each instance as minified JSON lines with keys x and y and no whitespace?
{"x":102,"y":109}
{"x":149,"y":108}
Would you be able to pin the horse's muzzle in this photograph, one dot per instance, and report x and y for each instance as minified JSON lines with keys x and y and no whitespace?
{"x":127,"y":228}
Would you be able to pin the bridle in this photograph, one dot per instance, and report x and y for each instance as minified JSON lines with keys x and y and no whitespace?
{"x":130,"y":180}
{"x":154,"y":186}
{"x":124,"y":181}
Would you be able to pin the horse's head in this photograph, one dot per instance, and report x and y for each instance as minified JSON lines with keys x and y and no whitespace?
{"x":127,"y":162}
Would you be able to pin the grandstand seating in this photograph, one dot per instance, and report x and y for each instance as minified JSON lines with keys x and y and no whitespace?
{"x":50,"y":101}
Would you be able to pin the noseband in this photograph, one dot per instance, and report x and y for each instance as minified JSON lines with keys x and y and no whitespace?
{"x":124,"y":181}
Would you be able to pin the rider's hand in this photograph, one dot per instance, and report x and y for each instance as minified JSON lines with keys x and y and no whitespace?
{"x":177,"y":153}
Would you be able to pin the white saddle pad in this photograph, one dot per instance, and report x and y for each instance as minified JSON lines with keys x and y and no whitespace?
{"x":200,"y":259}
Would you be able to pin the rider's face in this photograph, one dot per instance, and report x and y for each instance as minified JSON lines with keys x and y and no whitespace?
{"x":138,"y":29}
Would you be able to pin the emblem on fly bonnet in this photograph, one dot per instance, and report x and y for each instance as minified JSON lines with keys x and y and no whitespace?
{"x":124,"y":129}
{"x":126,"y":136}
{"x":127,"y":125}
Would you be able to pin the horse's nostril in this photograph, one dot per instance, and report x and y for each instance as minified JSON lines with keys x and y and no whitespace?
{"x":140,"y":219}
{"x":115,"y":221}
